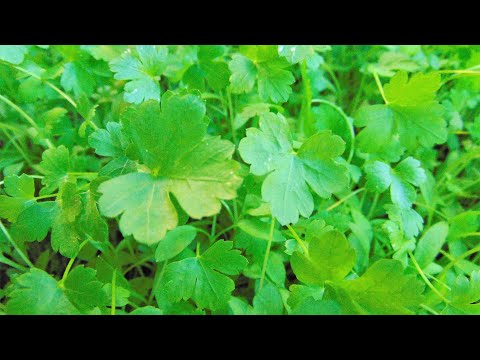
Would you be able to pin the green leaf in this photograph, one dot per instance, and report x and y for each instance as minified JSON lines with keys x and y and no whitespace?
{"x":330,"y":257}
{"x":110,"y":142}
{"x":297,"y":53}
{"x":268,"y":301}
{"x":412,"y":114}
{"x":121,"y":295}
{"x":244,"y":74}
{"x":298,"y":293}
{"x":464,"y":296}
{"x":430,"y":244}
{"x":104,"y":52}
{"x":13,"y":54}
{"x":463,"y":223}
{"x":408,"y":219}
{"x":147,"y":211}
{"x":175,"y":242}
{"x":141,"y":69}
{"x":274,"y":83}
{"x":147,"y":310}
{"x":382,"y":289}
{"x":260,"y":230}
{"x":54,"y":165}
{"x":65,"y":237}
{"x":263,"y":65}
{"x":34,"y":223}
{"x":37,"y":293}
{"x":310,"y":306}
{"x":172,"y":142}
{"x":84,"y":290}
{"x":76,"y":77}
{"x":269,"y":150}
{"x":400,"y":180}
{"x":217,"y":74}
{"x":21,"y":191}
{"x":203,"y":278}
{"x":91,"y":224}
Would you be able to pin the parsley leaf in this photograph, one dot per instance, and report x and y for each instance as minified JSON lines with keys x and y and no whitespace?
{"x":204,"y":278}
{"x":269,"y":150}
{"x":197,"y":169}
{"x":142,"y":68}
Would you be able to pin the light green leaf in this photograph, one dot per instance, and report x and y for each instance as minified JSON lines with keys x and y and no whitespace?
{"x":383,"y":289}
{"x":34,"y":223}
{"x":196,"y":168}
{"x":21,"y":191}
{"x":175,"y":242}
{"x":244,"y":74}
{"x":84,"y":290}
{"x":76,"y":77}
{"x":412,"y":114}
{"x":430,"y":244}
{"x":203,"y":278}
{"x":268,"y":301}
{"x":269,"y":150}
{"x":141,"y":69}
{"x":37,"y":293}
{"x":330,"y":257}
{"x":13,"y":54}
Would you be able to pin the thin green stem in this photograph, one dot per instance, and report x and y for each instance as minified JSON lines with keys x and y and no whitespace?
{"x":60,"y":92}
{"x":45,"y":196}
{"x":214,"y":226}
{"x":380,"y":87}
{"x":469,"y":72}
{"x":231,"y":116}
{"x":354,"y":103}
{"x":296,"y":237}
{"x":200,"y":222}
{"x":12,"y":263}
{"x":229,"y":211}
{"x":15,"y":246}
{"x":156,"y":281}
{"x":347,"y":122}
{"x":203,"y":232}
{"x":197,"y":250}
{"x":114,"y":292}
{"x":457,"y":259}
{"x":82,"y":174}
{"x":305,"y":112}
{"x":208,"y":96}
{"x":26,"y":117}
{"x":217,"y":109}
{"x":429,"y":309}
{"x":470,"y":234}
{"x":267,"y":253}
{"x":70,"y":263}
{"x":334,"y":78}
{"x":342,"y":200}
{"x":138,"y":263}
{"x":10,"y":127}
{"x":373,"y":206}
{"x":425,"y":279}
{"x":227,"y":229}
{"x":235,"y":211}
{"x":431,"y":209}
{"x":20,"y":111}
{"x":18,"y":147}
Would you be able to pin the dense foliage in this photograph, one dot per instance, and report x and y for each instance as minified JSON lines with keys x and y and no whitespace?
{"x":285,"y":179}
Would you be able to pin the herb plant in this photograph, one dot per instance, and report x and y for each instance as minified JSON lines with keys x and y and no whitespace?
{"x":291,"y":179}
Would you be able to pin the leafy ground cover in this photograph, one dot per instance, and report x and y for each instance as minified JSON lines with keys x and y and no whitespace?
{"x":241,"y":180}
